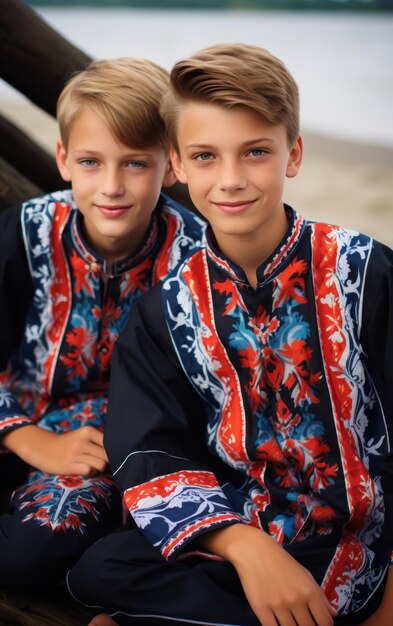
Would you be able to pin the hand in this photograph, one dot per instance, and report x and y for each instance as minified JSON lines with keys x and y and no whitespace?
{"x":278,"y":589}
{"x":79,"y":452}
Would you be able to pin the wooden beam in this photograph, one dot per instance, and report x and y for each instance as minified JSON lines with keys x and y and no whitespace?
{"x":14,"y":187}
{"x":34,"y":58}
{"x":30,"y":159}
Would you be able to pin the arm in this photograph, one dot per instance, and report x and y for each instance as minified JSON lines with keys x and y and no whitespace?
{"x":155,"y":440}
{"x":78,"y":452}
{"x":155,"y":436}
{"x":278,"y":589}
{"x":377,"y":341}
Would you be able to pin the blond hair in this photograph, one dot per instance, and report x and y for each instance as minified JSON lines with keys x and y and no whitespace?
{"x":126,"y":93}
{"x":233,"y":75}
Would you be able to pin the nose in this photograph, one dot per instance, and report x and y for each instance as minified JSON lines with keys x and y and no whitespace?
{"x":231,"y":177}
{"x":113,"y":183}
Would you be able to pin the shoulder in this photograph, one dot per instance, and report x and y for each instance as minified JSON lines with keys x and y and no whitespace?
{"x":379,"y":273}
{"x":382,"y":255}
{"x":42,"y":222}
{"x":48,"y":205}
{"x":362,"y":265}
{"x":32,"y":215}
{"x":342,"y":250}
{"x":338,"y":235}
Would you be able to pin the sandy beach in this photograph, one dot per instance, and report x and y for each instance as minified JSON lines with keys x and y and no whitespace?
{"x":341,"y":182}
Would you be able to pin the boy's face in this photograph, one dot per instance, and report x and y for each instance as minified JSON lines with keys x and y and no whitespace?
{"x":115,"y":187}
{"x":235,"y":164}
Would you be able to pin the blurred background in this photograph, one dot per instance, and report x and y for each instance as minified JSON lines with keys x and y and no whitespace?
{"x":340,"y":52}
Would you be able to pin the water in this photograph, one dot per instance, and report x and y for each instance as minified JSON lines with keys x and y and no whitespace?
{"x":342,"y":62}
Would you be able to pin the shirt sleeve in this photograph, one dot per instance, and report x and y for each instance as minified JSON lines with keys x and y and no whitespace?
{"x":377,"y":341}
{"x":16,"y":293}
{"x":155,"y":437}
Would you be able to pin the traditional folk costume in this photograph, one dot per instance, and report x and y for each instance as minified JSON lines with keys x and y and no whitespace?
{"x":270,"y":407}
{"x":57,"y":331}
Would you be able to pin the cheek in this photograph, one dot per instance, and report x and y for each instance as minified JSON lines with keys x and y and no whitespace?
{"x":83,"y":183}
{"x":145,"y":193}
{"x":199,"y":182}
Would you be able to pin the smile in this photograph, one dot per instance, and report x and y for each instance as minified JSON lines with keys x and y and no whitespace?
{"x":113,"y":211}
{"x":234,"y":207}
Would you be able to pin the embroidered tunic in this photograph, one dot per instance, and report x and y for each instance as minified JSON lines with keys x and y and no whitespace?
{"x":270,"y":407}
{"x":58,"y":328}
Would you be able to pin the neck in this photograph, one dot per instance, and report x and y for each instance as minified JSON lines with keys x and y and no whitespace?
{"x":251,"y":250}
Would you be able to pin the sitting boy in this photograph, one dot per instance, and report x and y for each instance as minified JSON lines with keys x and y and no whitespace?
{"x":72,"y":265}
{"x":260,"y":378}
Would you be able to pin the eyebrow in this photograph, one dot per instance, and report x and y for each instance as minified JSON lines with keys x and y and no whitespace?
{"x":130,"y":155}
{"x":251,"y":142}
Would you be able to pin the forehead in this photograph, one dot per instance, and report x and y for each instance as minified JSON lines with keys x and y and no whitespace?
{"x":210,"y":124}
{"x":87,"y":121}
{"x":89,"y":131}
{"x":90,"y":126}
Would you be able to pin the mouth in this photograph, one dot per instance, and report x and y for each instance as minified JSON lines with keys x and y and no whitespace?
{"x":234,"y":207}
{"x":113,"y":211}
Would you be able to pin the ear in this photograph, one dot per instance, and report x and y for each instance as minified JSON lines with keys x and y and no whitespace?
{"x":170,"y":176}
{"x":177,"y":165}
{"x":62,"y":161}
{"x":295,"y":158}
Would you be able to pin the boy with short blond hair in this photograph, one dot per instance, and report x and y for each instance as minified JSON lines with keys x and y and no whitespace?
{"x":130,"y":112}
{"x":72,"y":265}
{"x":257,"y":470}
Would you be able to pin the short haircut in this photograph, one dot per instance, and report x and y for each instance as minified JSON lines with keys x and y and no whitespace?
{"x":126,"y":93}
{"x":234,"y":75}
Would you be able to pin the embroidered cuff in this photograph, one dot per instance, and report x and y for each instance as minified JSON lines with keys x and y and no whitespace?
{"x":171,"y":510}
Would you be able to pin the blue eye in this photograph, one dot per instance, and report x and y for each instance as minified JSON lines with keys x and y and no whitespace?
{"x":136,"y":165}
{"x":204,"y":156}
{"x":88,"y":162}
{"x":257,"y":152}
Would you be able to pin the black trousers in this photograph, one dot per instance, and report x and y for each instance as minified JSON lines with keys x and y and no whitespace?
{"x":47,"y":521}
{"x":123,"y":575}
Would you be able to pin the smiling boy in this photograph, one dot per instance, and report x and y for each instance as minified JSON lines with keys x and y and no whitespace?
{"x":72,"y":265}
{"x":257,"y":472}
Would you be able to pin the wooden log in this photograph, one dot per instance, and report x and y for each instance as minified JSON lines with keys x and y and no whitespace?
{"x":55,"y":607}
{"x":34,"y":58}
{"x":14,"y":187}
{"x":30,"y":159}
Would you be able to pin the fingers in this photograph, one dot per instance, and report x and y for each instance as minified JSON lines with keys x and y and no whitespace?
{"x":86,"y":469}
{"x":292,"y":606}
{"x":295,"y":615}
{"x":89,"y":441}
{"x":85,"y":451}
{"x":322,"y":611}
{"x":95,"y":435}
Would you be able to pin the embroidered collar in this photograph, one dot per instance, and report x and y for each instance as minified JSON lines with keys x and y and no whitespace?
{"x":296,"y":227}
{"x":96,"y":262}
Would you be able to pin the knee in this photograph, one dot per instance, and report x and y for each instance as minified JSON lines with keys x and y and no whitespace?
{"x":86,"y":579}
{"x":26,"y":559}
